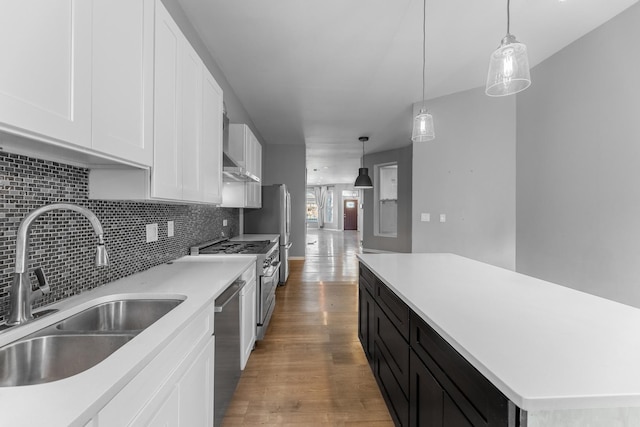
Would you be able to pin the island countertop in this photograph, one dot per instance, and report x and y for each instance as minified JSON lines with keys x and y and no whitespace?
{"x":544,"y":346}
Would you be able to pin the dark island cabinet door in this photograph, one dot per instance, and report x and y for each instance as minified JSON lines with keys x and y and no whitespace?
{"x":429,"y":403}
{"x":365,"y":321}
{"x":426,"y":400}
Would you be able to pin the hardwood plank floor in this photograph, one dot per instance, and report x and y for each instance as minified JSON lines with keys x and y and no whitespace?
{"x":310,"y":369}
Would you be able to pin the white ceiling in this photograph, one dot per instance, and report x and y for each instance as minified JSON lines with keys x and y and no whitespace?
{"x":323,"y":73}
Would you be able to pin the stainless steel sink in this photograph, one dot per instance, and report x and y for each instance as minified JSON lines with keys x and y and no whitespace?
{"x":78,"y":342}
{"x":121,"y":315}
{"x":54,"y":357}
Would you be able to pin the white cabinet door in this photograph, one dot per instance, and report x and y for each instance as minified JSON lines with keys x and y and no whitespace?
{"x":166,"y":181}
{"x":122,"y":81}
{"x":191,"y":112}
{"x":45,"y":82}
{"x":211,"y":158}
{"x":258,"y":160}
{"x":196,"y":390}
{"x":169,"y":413}
{"x":247,"y":321}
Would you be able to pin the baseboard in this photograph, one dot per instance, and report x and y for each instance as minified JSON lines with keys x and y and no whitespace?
{"x":296,"y":258}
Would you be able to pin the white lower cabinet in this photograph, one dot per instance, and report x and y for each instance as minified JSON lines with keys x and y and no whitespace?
{"x":248,"y":319}
{"x":190,"y":401}
{"x":175,"y":388}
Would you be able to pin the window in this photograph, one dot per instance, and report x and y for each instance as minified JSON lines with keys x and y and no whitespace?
{"x":312,"y":207}
{"x":328,"y":206}
{"x":385,"y":214}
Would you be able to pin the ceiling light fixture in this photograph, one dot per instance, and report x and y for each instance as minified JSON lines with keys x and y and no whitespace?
{"x":508,"y":66}
{"x":423,"y":123}
{"x":363,"y":181}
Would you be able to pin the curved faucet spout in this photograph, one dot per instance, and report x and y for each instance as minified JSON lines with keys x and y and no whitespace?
{"x":20,"y":309}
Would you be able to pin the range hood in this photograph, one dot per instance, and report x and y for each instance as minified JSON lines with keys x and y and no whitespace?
{"x":232,"y":171}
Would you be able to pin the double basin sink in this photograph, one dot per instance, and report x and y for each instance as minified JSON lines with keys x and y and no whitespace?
{"x":78,"y":342}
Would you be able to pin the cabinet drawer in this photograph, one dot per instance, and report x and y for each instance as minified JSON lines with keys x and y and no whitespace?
{"x":475,"y":396}
{"x":367,"y":278}
{"x":395,"y":398}
{"x":394,"y":308}
{"x":396,"y":349}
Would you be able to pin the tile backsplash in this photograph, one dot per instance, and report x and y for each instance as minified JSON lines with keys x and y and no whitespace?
{"x":63,"y":242}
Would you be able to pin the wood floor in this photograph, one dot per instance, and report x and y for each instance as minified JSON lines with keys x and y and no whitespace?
{"x":310,"y":369}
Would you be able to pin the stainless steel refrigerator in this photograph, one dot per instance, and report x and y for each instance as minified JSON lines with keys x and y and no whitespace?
{"x":273,"y":218}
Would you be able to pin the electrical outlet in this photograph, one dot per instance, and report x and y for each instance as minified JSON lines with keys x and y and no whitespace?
{"x":425,"y":217}
{"x":224,"y":222}
{"x":170,"y":231}
{"x":152,"y":233}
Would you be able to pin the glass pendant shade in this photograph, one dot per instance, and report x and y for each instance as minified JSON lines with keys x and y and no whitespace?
{"x":508,"y":68}
{"x":363,"y":181}
{"x":423,"y":127}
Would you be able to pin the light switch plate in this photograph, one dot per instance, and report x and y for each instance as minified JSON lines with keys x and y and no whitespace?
{"x":170,"y":231}
{"x":224,"y":222}
{"x":443,"y":217}
{"x":425,"y":217}
{"x":152,"y":233}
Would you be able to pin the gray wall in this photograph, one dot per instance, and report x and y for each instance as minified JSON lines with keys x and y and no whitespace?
{"x":401,"y":243}
{"x":286,"y":164}
{"x":578,"y":164}
{"x":467,"y":173}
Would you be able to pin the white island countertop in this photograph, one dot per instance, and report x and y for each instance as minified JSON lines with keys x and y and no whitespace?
{"x":546,"y":347}
{"x":73,"y":401}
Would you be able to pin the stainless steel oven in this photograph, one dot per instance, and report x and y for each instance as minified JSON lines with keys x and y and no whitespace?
{"x":267,"y":293}
{"x":267,"y":271}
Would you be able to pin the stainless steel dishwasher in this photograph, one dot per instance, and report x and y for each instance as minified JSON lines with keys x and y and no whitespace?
{"x":227,"y":354}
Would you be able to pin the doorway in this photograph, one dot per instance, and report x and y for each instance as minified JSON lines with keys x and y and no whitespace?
{"x":350,"y":215}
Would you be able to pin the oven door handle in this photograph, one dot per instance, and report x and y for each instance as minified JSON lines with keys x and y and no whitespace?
{"x":272,"y":270}
{"x":228,"y":295}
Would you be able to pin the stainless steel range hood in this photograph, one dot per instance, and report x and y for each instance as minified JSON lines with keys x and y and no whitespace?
{"x":233,"y":172}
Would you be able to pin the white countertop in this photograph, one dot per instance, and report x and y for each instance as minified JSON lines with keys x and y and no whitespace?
{"x":73,"y":400}
{"x":545,"y":346}
{"x":254,"y":237}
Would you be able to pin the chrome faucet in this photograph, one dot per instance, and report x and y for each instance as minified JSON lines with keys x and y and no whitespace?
{"x":21,"y":294}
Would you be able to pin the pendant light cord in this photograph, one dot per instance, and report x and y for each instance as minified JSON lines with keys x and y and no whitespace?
{"x":424,"y":47}
{"x":508,"y":16}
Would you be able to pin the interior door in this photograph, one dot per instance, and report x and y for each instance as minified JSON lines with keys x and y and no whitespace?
{"x":350,"y":214}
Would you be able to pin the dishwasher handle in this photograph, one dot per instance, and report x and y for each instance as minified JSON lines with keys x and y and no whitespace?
{"x":228,"y":295}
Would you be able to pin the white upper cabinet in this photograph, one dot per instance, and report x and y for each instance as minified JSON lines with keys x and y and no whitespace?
{"x":191,"y":91}
{"x":211,"y":158}
{"x":187,"y":129}
{"x":45,"y":80}
{"x":166,"y":180}
{"x":245,"y":149}
{"x":122,"y":84}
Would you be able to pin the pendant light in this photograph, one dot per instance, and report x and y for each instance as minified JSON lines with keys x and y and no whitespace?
{"x":423,"y":123}
{"x":363,"y":181}
{"x":508,"y":66}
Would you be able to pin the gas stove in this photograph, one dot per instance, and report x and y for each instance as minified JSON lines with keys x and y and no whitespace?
{"x":267,"y":271}
{"x":225,"y":246}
